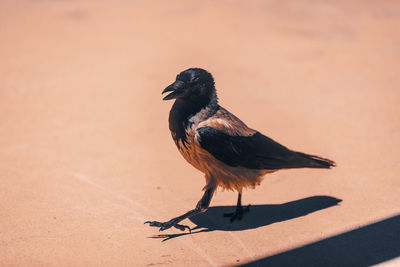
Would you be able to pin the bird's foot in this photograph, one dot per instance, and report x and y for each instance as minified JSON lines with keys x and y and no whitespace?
{"x":166,"y":225}
{"x":238,"y":214}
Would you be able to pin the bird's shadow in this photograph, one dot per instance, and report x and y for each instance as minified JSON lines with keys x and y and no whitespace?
{"x":258,"y":216}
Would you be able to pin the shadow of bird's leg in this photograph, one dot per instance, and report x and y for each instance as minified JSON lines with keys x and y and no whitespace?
{"x":239,"y":212}
{"x":201,"y":206}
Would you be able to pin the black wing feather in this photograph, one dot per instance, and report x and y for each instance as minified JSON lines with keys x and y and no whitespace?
{"x":255,"y":152}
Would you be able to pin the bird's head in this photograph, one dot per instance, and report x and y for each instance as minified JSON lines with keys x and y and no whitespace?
{"x":193,"y":85}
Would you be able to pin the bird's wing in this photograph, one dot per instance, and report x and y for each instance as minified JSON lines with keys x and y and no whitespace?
{"x":254,"y":152}
{"x":229,"y":140}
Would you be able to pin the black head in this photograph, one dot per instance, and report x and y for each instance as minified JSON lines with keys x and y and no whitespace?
{"x":193,"y":90}
{"x":193,"y":85}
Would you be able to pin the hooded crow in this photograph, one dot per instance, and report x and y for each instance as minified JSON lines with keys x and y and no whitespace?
{"x":217,"y":143}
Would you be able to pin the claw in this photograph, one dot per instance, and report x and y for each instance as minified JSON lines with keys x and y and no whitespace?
{"x":154,"y":223}
{"x":238,"y":214}
{"x":183,"y":227}
{"x":166,"y":225}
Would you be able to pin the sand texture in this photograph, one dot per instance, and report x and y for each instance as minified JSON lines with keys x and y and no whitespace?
{"x":86,"y":154}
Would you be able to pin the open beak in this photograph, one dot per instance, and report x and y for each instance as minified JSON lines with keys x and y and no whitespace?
{"x":174,"y":88}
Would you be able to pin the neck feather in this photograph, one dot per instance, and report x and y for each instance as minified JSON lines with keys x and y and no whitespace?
{"x":184,"y":113}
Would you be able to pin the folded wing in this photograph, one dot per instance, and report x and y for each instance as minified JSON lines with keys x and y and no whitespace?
{"x":255,"y":151}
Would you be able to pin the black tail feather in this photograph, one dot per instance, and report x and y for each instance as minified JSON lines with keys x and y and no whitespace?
{"x":312,"y":161}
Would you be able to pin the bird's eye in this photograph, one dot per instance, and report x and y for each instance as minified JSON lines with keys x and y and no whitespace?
{"x":195,"y":80}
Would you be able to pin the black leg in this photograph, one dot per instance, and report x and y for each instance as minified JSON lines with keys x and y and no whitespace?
{"x":240,"y":211}
{"x":201,"y":206}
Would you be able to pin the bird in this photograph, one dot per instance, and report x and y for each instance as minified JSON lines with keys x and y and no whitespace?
{"x":229,"y":153}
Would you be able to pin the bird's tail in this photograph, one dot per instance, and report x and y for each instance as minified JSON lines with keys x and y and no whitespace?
{"x":312,"y":161}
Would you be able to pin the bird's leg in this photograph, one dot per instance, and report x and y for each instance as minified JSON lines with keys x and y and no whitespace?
{"x":201,"y":206}
{"x":240,"y":211}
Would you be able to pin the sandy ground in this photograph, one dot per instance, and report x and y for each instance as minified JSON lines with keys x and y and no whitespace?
{"x":86,"y":154}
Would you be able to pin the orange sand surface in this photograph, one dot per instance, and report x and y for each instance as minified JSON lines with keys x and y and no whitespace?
{"x":86,"y":154}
